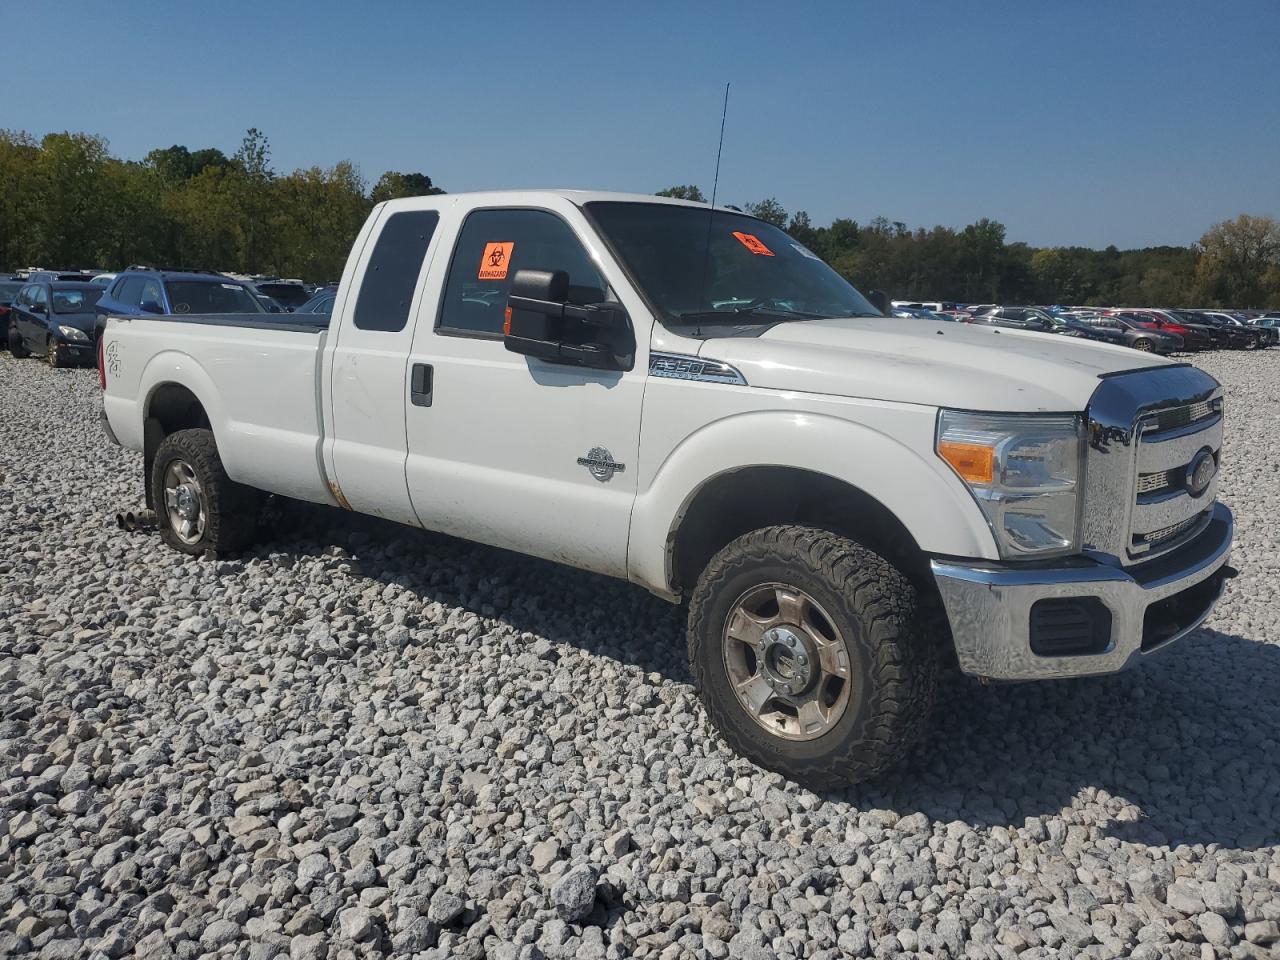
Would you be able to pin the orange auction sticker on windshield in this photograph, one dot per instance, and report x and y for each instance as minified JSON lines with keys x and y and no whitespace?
{"x":753,"y":244}
{"x":493,"y":264}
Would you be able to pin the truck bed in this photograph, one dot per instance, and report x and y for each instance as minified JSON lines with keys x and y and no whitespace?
{"x":256,"y":378}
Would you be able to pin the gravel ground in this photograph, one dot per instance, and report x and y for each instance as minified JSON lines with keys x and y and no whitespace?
{"x":364,"y":741}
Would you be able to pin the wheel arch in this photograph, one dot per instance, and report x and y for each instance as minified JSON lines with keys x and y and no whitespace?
{"x":771,"y":468}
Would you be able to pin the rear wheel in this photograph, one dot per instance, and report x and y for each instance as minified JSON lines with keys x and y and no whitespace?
{"x":16,"y":346}
{"x":51,"y":353}
{"x":809,"y":655}
{"x":198,"y":507}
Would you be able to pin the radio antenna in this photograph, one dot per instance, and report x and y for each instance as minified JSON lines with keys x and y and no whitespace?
{"x":715,"y":184}
{"x":711,"y":209}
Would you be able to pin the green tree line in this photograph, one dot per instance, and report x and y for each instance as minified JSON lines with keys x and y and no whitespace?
{"x":1236,"y":263}
{"x":66,"y":202}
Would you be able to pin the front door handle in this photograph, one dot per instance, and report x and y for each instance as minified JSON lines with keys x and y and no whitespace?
{"x":421,"y":381}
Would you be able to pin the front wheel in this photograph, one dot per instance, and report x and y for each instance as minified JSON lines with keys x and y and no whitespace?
{"x":198,"y":507}
{"x":809,"y":655}
{"x":1143,"y":344}
{"x":51,"y":353}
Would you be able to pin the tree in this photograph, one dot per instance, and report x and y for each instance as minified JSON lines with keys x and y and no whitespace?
{"x":1235,"y":257}
{"x":769,"y":210}
{"x":684,"y":192}
{"x":392,"y":185}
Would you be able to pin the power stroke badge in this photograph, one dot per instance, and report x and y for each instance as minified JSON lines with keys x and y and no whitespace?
{"x":601,"y":464}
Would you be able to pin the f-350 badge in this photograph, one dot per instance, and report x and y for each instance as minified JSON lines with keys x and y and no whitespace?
{"x":601,"y":464}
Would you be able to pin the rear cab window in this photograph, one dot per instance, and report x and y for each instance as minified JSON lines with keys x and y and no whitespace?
{"x":492,"y":245}
{"x":391,"y":275}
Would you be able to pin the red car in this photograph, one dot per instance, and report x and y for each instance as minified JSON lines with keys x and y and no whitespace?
{"x":1195,"y":339}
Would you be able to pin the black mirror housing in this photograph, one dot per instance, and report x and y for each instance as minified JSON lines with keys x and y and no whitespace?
{"x":540,"y":322}
{"x":150,"y":306}
{"x":880,"y":300}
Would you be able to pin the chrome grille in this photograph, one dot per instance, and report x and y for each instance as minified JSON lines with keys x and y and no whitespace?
{"x":1145,"y":429}
{"x":1177,"y":417}
{"x":1157,"y":537}
{"x":1155,"y":482}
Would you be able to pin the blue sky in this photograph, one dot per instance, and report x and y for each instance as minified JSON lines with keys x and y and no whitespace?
{"x":1132,"y":123}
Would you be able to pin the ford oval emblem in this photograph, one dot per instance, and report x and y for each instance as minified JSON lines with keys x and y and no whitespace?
{"x":1200,"y":472}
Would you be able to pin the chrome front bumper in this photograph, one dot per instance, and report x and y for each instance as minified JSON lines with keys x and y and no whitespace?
{"x":1150,"y":606}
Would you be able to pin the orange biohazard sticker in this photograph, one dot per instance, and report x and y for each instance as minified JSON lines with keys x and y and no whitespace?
{"x":753,"y":244}
{"x":493,"y":264}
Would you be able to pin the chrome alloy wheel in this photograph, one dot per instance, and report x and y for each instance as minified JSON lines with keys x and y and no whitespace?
{"x":787,"y":662}
{"x":184,"y":502}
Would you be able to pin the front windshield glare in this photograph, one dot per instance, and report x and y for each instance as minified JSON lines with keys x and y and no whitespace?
{"x":697,"y":266}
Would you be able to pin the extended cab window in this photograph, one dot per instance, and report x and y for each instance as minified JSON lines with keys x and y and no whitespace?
{"x":392,"y":272}
{"x":492,"y":246}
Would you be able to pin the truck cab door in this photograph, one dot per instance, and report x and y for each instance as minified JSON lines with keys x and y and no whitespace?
{"x":512,"y":450}
{"x":365,"y":371}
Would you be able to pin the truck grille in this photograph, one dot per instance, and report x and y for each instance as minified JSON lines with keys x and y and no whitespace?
{"x":1177,"y":417}
{"x":1165,"y":511}
{"x":1156,"y":482}
{"x":1151,"y":473}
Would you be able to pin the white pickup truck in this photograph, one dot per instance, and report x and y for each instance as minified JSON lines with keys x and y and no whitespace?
{"x":689,"y":399}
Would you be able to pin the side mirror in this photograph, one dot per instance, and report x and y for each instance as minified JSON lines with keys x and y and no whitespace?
{"x":150,"y":306}
{"x":540,"y":322}
{"x":38,"y":308}
{"x":880,"y":300}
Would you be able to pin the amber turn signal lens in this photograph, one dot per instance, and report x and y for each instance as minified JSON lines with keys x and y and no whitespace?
{"x":974,"y":462}
{"x":506,"y":323}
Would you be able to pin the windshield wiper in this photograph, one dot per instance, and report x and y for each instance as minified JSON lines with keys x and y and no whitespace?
{"x":746,"y":313}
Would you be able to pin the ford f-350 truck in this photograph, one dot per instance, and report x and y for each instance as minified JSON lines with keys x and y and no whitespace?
{"x":687,"y":398}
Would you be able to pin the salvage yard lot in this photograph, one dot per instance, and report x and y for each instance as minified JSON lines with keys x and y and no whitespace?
{"x":362,"y":739}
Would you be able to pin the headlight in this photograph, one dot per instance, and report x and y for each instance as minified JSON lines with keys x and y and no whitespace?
{"x":73,"y":333}
{"x":1024,"y":472}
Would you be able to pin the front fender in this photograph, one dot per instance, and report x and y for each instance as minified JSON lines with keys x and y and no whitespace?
{"x":889,"y":458}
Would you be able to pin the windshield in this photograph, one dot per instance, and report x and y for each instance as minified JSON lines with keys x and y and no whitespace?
{"x":74,"y":301}
{"x":205,"y":296}
{"x":750,"y":269}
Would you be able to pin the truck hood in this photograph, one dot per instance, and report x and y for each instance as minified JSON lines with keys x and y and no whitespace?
{"x":967,"y":366}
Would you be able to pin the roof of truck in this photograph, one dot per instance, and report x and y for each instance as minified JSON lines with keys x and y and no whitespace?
{"x":534,"y":196}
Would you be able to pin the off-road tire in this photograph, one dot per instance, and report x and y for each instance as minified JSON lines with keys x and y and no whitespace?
{"x":16,"y":346}
{"x":876,"y":610}
{"x":231,"y":508}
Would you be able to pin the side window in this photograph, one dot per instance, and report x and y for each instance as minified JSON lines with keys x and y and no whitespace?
{"x":492,"y":246}
{"x":392,"y":272}
{"x":151,"y":291}
{"x":130,"y":292}
{"x":40,"y":297}
{"x":24,"y":296}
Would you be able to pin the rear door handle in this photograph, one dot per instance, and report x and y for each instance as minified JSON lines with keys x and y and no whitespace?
{"x":421,"y":382}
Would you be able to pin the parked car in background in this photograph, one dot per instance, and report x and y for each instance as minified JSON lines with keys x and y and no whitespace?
{"x":49,"y":276}
{"x":1041,"y":321}
{"x":1138,"y":337}
{"x":321,"y":302}
{"x":1242,"y":335}
{"x":1270,"y":323}
{"x":1194,"y":336}
{"x":55,"y":320}
{"x":174,"y":293}
{"x":289,"y":294}
{"x":104,"y":279}
{"x":921,"y":314}
{"x":8,"y":293}
{"x":1224,"y":336}
{"x":268,"y":302}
